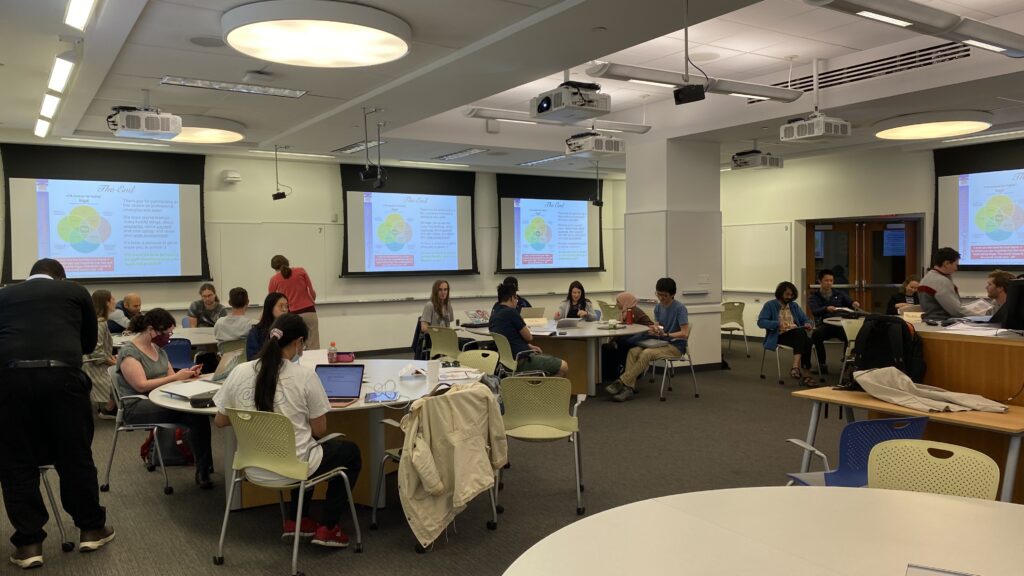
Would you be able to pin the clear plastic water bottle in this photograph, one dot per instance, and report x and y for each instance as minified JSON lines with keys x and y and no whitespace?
{"x":332,"y":353}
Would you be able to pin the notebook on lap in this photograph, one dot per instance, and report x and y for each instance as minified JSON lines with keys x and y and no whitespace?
{"x":342,"y":382}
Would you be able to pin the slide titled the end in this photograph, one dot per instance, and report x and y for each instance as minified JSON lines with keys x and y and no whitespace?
{"x":991,"y":211}
{"x":550,"y":233}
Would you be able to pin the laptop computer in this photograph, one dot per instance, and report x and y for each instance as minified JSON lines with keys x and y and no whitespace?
{"x":343,"y":383}
{"x":568,"y":323}
{"x":227,"y":363}
{"x":477,"y":319}
{"x":532,"y":312}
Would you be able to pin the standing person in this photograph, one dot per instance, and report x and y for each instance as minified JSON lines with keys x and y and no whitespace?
{"x":785,"y":323}
{"x":505,"y":320}
{"x":614,"y":353}
{"x":46,"y":324}
{"x":521,"y":302}
{"x":825,"y":303}
{"x":940,"y":298}
{"x":274,"y":305}
{"x":276,"y":382}
{"x":205,"y":312}
{"x":673,"y":327}
{"x":234,"y":326}
{"x":95,"y":363}
{"x":995,"y":286}
{"x":907,"y":296}
{"x":576,"y":304}
{"x":129,"y":307}
{"x":295,"y":284}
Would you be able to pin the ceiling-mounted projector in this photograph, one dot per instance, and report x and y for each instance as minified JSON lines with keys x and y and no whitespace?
{"x":594,"y":145}
{"x":755,"y":159}
{"x":817,"y":126}
{"x":132,"y":122}
{"x":571,"y":102}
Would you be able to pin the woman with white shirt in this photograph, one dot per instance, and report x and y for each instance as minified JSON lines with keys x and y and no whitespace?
{"x":276,"y":382}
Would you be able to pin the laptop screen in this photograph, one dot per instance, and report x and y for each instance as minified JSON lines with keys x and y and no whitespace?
{"x":341,"y":381}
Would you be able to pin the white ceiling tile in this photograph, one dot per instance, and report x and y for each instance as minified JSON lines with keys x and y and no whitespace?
{"x":765,"y":13}
{"x":863,"y":35}
{"x":711,"y":30}
{"x":812,"y":21}
{"x":751,"y":41}
{"x":994,"y":7}
{"x":647,"y":51}
{"x":805,"y":50}
{"x":961,"y":8}
{"x":701,"y":56}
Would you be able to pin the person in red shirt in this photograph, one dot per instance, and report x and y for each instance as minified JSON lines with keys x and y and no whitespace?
{"x":296,"y":286}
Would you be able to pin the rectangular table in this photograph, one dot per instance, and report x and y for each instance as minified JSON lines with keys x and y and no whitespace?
{"x":1010,"y":424}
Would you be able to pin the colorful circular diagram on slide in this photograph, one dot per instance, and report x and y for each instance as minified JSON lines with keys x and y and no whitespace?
{"x":999,"y":218}
{"x":394,"y":232}
{"x":84,"y":229}
{"x":537,"y":233}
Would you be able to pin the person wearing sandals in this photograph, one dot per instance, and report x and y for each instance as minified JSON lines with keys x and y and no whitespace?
{"x":785,"y":323}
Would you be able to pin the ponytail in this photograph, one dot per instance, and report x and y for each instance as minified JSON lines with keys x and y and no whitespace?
{"x":286,"y":329}
{"x":281,"y":264}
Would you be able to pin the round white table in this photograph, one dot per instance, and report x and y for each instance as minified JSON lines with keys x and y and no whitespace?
{"x":786,"y":531}
{"x":199,"y":337}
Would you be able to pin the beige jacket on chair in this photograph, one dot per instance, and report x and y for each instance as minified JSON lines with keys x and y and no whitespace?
{"x":453,"y":444}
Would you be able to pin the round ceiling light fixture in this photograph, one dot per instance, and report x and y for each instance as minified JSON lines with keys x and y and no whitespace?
{"x":209,"y":130}
{"x":930,"y":125}
{"x":316,"y":33}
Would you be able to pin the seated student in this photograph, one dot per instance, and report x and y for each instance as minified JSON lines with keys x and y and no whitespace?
{"x":95,"y":363}
{"x":940,"y":298}
{"x":274,"y":305}
{"x":205,"y":312}
{"x":521,"y":301}
{"x":996,"y":285}
{"x":785,"y":323}
{"x":276,"y":382}
{"x":129,"y":307}
{"x":824,"y":303}
{"x":438,"y":312}
{"x":234,"y":326}
{"x":907,"y":296}
{"x":143,"y":367}
{"x":673,"y":327}
{"x":505,"y":320}
{"x":576,"y":304}
{"x":614,"y":353}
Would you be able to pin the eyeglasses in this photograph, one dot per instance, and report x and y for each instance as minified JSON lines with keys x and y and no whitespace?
{"x":452,"y":364}
{"x":662,"y":294}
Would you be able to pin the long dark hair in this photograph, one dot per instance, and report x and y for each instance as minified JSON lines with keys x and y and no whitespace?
{"x":158,"y":319}
{"x":291,"y":327}
{"x":435,"y":299}
{"x":782,"y":287}
{"x":100,"y":299}
{"x":583,"y":293}
{"x":280,"y":263}
{"x":267,"y":317}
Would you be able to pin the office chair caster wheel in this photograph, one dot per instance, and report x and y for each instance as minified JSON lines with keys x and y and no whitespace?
{"x":501,"y":485}
{"x":507,"y":465}
{"x":359,"y":548}
{"x":762,"y":377}
{"x":104,"y":487}
{"x":420,"y":549}
{"x":581,"y":511}
{"x":67,"y":546}
{"x":499,"y":509}
{"x":373,"y":525}
{"x":669,"y":388}
{"x":662,"y":398}
{"x":218,"y":560}
{"x":782,"y":382}
{"x":168,"y":490}
{"x":150,"y":467}
{"x":581,"y":488}
{"x":696,"y":395}
{"x":492,"y":525}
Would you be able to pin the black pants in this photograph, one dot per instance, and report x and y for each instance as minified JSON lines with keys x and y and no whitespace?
{"x":337,"y":454}
{"x":825,"y":332}
{"x":145,"y":412}
{"x":46,"y":418}
{"x":800,"y":342}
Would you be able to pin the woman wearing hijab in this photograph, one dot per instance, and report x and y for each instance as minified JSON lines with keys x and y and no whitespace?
{"x":613,"y":354}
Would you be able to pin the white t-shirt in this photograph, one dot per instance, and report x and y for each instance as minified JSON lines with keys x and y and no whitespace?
{"x":232,"y":327}
{"x":300,"y":396}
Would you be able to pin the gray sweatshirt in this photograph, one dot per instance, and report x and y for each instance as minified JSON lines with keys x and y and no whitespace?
{"x":939,"y":297}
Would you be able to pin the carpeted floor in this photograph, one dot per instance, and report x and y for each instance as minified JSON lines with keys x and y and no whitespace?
{"x":732,"y":436}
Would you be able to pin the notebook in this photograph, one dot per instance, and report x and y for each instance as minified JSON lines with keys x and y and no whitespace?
{"x":187,"y":389}
{"x":342,"y":382}
{"x":532,"y":312}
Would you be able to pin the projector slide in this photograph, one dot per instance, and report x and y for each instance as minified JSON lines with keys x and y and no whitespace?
{"x":550,"y":233}
{"x":991,"y":213}
{"x":410,"y":232}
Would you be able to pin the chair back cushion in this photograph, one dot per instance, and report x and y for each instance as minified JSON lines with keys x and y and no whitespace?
{"x":857,"y":440}
{"x":505,"y":356}
{"x":485,"y":361}
{"x":732,"y":313}
{"x":533,"y":401}
{"x":936,"y":467}
{"x":266,"y":440}
{"x":443,"y":342}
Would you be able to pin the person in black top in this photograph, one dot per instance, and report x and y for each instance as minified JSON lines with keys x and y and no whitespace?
{"x":505,"y":320}
{"x":45,"y":413}
{"x":824,"y":303}
{"x":907,"y":296}
{"x":521,"y":302}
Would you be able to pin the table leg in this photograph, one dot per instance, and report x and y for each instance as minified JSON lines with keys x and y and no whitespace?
{"x":848,"y":411}
{"x":1010,"y":472}
{"x":812,"y":432}
{"x":593,"y":357}
{"x":376,"y":453}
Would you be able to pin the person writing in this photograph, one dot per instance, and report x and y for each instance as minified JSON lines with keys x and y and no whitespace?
{"x":95,"y":363}
{"x":576,"y":304}
{"x":940,"y":298}
{"x":785,"y":323}
{"x":907,"y":296}
{"x":129,"y":307}
{"x":234,"y":326}
{"x":295,"y":284}
{"x":505,"y":320}
{"x":996,"y":284}
{"x":274,"y":306}
{"x":276,"y":382}
{"x":143,"y":366}
{"x":205,"y":312}
{"x":826,"y":303}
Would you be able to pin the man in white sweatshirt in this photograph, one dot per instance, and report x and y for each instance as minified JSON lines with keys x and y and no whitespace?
{"x":939,"y":296}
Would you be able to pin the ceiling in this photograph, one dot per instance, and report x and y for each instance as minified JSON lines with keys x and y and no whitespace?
{"x":496,"y":53}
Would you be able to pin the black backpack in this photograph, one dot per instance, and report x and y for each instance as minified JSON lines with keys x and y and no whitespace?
{"x":888,"y":341}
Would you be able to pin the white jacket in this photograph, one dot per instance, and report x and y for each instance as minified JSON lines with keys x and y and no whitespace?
{"x":453,"y":444}
{"x":895,"y":387}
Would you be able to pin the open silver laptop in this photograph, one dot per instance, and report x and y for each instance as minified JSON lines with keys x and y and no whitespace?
{"x":532,"y":312}
{"x":568,"y":323}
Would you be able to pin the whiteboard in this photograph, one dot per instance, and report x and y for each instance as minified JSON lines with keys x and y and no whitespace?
{"x":756,"y":257}
{"x":245,"y":250}
{"x":648,"y":253}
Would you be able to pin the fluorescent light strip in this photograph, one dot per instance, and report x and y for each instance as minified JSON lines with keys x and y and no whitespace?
{"x":49,"y":107}
{"x":60,"y":74}
{"x":117,"y":142}
{"x":542,"y":160}
{"x":984,"y":46}
{"x":432,"y":164}
{"x":232,"y":87}
{"x":884,"y":18}
{"x":651,"y":83}
{"x":609,"y":130}
{"x":510,"y":121}
{"x":983,"y":136}
{"x":298,"y":154}
{"x":725,"y":170}
{"x":748,"y":96}
{"x":461,"y":154}
{"x":359,"y":146}
{"x":78,"y":13}
{"x":42,"y":128}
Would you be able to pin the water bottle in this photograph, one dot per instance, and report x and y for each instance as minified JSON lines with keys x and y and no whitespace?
{"x":332,"y":353}
{"x":629,"y":315}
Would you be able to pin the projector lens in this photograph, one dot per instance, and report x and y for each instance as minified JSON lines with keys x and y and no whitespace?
{"x":544,"y":105}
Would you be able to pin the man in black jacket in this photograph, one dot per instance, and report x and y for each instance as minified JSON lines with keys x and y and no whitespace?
{"x":825,"y":303}
{"x":45,"y":413}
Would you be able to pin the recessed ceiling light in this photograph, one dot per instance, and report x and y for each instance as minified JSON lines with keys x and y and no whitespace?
{"x":296,"y":154}
{"x":316,"y":33}
{"x":208,"y":130}
{"x":461,"y":154}
{"x":542,"y":160}
{"x":883,"y":18}
{"x":42,"y":128}
{"x":359,"y":146}
{"x":115,"y":142}
{"x":63,"y":64}
{"x":49,"y":107}
{"x":78,"y":13}
{"x":929,"y":125}
{"x":232,"y":87}
{"x":433,"y":164}
{"x":985,"y":46}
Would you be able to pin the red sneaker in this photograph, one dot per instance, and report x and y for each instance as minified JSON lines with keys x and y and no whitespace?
{"x":307,"y":527}
{"x":333,"y":537}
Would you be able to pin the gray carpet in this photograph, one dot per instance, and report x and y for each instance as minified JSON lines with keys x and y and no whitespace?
{"x":731,"y":436}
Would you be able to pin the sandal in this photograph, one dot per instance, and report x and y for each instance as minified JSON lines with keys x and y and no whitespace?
{"x":796,"y":374}
{"x":809,"y":382}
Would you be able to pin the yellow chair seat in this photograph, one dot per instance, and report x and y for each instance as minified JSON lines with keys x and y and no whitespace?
{"x":537,"y":433}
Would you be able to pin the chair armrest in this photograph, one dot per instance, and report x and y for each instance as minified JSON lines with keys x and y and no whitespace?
{"x":134,"y":397}
{"x":390,"y":422}
{"x":320,"y":441}
{"x":808,"y":448}
{"x":580,"y":398}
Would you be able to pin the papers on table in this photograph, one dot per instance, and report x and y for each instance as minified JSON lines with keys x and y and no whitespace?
{"x":979,"y":307}
{"x":186,"y":390}
{"x":460,"y":374}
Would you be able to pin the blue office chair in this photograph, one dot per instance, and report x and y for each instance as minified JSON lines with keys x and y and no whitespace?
{"x":179,"y":353}
{"x":855,"y":444}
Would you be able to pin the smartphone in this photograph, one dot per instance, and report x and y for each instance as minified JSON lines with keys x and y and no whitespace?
{"x":381,"y":397}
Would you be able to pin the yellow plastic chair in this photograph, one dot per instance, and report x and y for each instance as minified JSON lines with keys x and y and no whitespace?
{"x":732,"y":320}
{"x":65,"y":544}
{"x":444,"y":342}
{"x":935,"y":467}
{"x":508,"y":361}
{"x":231,"y":346}
{"x":485,"y":361}
{"x":535,"y":411}
{"x":267,"y":440}
{"x":608,"y":311}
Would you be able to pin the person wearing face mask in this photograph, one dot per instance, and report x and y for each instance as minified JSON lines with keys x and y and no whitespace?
{"x":907,"y":296}
{"x":276,"y":382}
{"x":142,"y":366}
{"x":785,"y":323}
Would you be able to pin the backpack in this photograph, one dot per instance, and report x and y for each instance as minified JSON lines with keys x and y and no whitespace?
{"x":888,"y":341}
{"x":175,"y":448}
